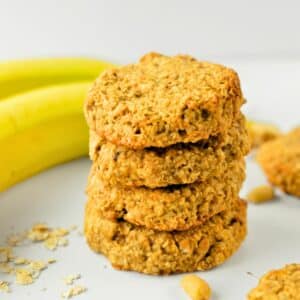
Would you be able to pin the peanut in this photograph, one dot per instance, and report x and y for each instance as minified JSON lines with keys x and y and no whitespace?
{"x":195,"y":287}
{"x":261,"y":194}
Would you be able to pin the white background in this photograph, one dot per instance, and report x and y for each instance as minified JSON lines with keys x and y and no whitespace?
{"x":125,"y":29}
{"x":260,"y":39}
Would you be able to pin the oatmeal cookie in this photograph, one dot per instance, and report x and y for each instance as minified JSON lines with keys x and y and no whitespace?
{"x":177,"y":207}
{"x":162,"y":100}
{"x":131,"y":247}
{"x":176,"y":164}
{"x":278,"y":285}
{"x":280,"y":160}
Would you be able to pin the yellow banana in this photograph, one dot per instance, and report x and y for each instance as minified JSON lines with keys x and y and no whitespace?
{"x":23,"y":75}
{"x":40,"y":129}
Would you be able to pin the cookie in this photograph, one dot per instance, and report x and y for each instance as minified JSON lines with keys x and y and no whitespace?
{"x":177,"y":164}
{"x":280,"y":160}
{"x":278,"y":285}
{"x":177,"y":207}
{"x":131,"y":247}
{"x":162,"y":100}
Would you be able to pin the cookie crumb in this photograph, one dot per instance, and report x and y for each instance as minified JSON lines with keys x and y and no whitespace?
{"x":6,"y":268}
{"x":52,"y":238}
{"x":281,"y":283}
{"x":51,"y":243}
{"x":38,"y":265}
{"x":26,"y":271}
{"x":280,"y":161}
{"x":74,"y":291}
{"x":5,"y":254}
{"x":261,"y":194}
{"x":21,"y":261}
{"x":23,"y":277}
{"x":195,"y":287}
{"x":260,"y":132}
{"x":39,"y":232}
{"x":4,"y":286}
{"x":69,"y":280}
{"x":63,"y":242}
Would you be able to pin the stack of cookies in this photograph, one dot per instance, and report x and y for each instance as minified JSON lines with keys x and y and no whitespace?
{"x":167,"y":141}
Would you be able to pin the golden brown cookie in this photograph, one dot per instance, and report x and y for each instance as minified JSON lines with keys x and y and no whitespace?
{"x":162,"y":100}
{"x":176,"y":164}
{"x":131,"y":247}
{"x":177,"y":207}
{"x":280,"y":160}
{"x":281,"y":284}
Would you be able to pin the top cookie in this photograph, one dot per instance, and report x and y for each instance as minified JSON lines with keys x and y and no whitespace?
{"x":278,"y":285}
{"x":162,"y":100}
{"x":280,"y":159}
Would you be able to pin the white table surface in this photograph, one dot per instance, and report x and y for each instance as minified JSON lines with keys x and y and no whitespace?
{"x":57,"y":197}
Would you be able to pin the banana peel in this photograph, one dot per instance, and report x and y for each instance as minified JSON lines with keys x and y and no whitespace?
{"x":40,"y":129}
{"x":22,"y":75}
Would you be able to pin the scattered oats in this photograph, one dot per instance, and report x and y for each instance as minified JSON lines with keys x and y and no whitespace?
{"x":35,"y":268}
{"x":38,"y":265}
{"x":6,"y":268}
{"x":59,"y":232}
{"x":4,"y":286}
{"x":51,"y":243}
{"x":63,"y":242}
{"x":74,"y":291}
{"x":24,"y":277}
{"x":51,"y":261}
{"x":56,"y":238}
{"x":69,"y":280}
{"x":38,"y":233}
{"x":41,"y":232}
{"x":21,"y":261}
{"x":51,"y":238}
{"x":15,"y":239}
{"x":5,"y":254}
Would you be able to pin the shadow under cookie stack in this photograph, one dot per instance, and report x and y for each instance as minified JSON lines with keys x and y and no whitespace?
{"x":167,"y":141}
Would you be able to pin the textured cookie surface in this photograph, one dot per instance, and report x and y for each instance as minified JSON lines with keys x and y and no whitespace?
{"x":130,"y":247}
{"x":281,"y":284}
{"x":280,"y":160}
{"x":177,"y":207}
{"x":162,"y":101}
{"x":177,"y":164}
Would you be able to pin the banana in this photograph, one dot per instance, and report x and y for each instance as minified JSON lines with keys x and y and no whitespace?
{"x":40,"y":129}
{"x":23,"y":75}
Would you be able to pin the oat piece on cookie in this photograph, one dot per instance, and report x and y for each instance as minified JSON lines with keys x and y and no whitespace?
{"x":178,"y":207}
{"x":278,"y":285}
{"x":162,"y":100}
{"x":130,"y":247}
{"x":176,"y":164}
{"x":280,"y":160}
